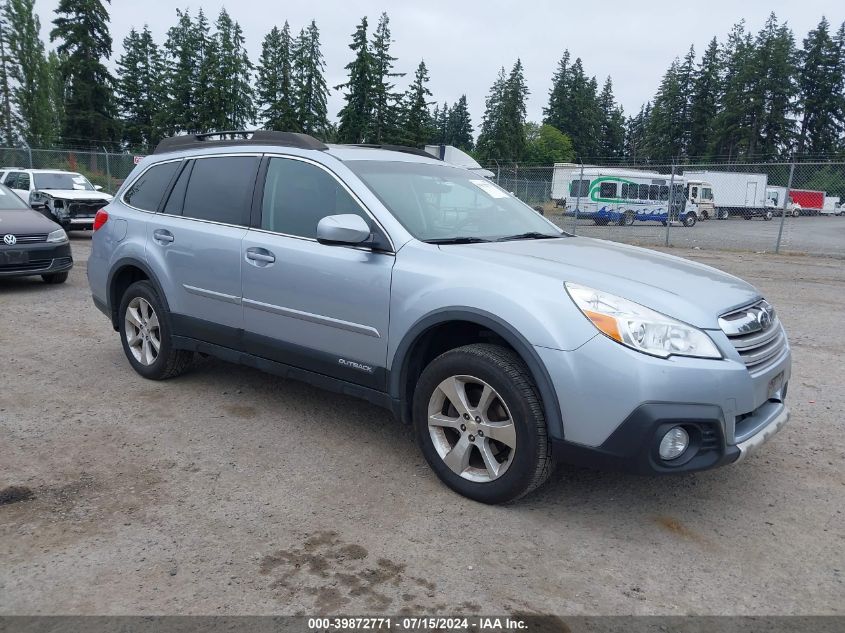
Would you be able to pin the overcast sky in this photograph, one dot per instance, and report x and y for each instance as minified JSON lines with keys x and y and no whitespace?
{"x":464,"y":42}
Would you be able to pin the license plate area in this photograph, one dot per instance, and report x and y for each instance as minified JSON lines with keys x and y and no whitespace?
{"x":775,"y":385}
{"x":10,"y":258}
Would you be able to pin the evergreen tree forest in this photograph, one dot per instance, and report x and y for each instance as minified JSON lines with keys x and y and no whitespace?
{"x":753,"y":95}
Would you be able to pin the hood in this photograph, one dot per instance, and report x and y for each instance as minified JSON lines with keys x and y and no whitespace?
{"x":25,"y":221}
{"x":688,"y":291}
{"x":75,"y":194}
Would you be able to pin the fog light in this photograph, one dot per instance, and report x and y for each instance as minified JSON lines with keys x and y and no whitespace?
{"x":674,"y":443}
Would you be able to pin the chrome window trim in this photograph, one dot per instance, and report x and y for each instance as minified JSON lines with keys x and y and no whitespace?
{"x":346,"y":187}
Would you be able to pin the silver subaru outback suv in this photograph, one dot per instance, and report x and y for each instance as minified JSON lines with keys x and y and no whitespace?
{"x":386,"y":274}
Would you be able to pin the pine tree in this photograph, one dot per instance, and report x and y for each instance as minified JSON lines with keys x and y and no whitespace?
{"x":82,"y":28}
{"x":558,"y":113}
{"x":355,"y":117}
{"x":416,"y":119}
{"x":441,"y":123}
{"x":574,"y":106}
{"x":737,"y":102}
{"x":612,"y":135}
{"x":776,"y":90}
{"x":31,"y":94}
{"x":503,"y":130}
{"x":686,"y":76}
{"x":635,"y":134}
{"x":706,"y":88}
{"x":57,"y":90}
{"x":310,"y":90}
{"x":232,"y":102}
{"x":9,"y":125}
{"x":822,"y":84}
{"x":185,"y":49}
{"x":140,"y":90}
{"x":274,"y":88}
{"x":489,"y":145}
{"x":384,"y":120}
{"x":459,"y":125}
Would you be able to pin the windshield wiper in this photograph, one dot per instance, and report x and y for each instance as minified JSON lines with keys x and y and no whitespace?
{"x":457,"y":240}
{"x":531,"y":235}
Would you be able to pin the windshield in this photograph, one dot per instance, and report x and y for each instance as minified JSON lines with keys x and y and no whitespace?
{"x":442,"y":203}
{"x":62,"y":181}
{"x":10,"y":200}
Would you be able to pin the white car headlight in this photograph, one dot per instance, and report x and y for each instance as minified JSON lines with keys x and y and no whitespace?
{"x":640,"y":328}
{"x":57,"y":237}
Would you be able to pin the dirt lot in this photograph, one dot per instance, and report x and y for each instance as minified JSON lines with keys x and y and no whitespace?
{"x":230,"y":491}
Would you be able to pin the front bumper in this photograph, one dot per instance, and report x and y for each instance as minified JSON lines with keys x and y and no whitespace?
{"x":616,"y":404}
{"x":35,"y":259}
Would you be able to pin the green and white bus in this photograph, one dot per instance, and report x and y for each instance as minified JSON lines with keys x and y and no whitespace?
{"x":624,"y":196}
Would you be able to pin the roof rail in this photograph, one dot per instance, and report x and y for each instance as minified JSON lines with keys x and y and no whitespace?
{"x":397,"y":148}
{"x":246,"y":137}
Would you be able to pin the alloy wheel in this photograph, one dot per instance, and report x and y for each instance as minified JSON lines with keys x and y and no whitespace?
{"x":471,"y":428}
{"x":143,"y":333}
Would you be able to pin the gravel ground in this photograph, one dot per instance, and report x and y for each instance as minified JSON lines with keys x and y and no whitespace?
{"x":815,"y":235}
{"x":231,"y":491}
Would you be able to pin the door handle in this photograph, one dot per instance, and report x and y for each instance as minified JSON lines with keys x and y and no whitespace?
{"x":163,"y":237}
{"x":257,"y":255}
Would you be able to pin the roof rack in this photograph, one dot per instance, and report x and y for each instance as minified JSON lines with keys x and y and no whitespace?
{"x":397,"y":148}
{"x":244,"y":137}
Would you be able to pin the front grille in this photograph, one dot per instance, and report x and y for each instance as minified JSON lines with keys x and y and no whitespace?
{"x":33,"y":264}
{"x":85,"y":208}
{"x":25,"y":238}
{"x":756,"y":333}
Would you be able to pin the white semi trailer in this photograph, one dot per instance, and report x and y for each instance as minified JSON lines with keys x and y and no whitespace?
{"x":736,"y":193}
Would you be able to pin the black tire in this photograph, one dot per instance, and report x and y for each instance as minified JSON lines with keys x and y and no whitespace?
{"x":627,"y":219}
{"x":170,"y":362}
{"x":690,"y":219}
{"x":55,"y":278}
{"x":768,"y":215}
{"x":722,"y":215}
{"x":503,"y":370}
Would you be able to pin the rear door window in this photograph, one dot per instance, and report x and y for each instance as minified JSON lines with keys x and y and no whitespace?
{"x":220,"y":189}
{"x":147,"y":191}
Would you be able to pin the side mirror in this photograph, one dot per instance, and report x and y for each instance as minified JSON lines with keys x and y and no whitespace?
{"x":343,"y":229}
{"x":98,"y":187}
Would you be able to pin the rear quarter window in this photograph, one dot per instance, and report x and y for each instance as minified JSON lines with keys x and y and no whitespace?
{"x":147,"y":191}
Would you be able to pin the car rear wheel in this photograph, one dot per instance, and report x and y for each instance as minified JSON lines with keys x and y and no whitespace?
{"x":689,"y":219}
{"x":145,"y":334}
{"x":55,"y":278}
{"x":480,"y":423}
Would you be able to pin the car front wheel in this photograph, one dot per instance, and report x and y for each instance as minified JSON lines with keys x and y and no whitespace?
{"x":480,"y":423}
{"x":145,"y":334}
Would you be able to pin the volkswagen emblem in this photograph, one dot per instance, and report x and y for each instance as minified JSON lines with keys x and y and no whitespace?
{"x":10,"y":239}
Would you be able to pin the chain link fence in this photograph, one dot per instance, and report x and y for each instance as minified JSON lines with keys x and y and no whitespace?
{"x":107,"y":169}
{"x":761,"y":207}
{"x":790,"y":207}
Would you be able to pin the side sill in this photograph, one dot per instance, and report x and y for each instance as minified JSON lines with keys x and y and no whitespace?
{"x":322,"y":381}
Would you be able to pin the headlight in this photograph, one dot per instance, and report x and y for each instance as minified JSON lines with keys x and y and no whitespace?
{"x":639,"y":327}
{"x":57,"y":237}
